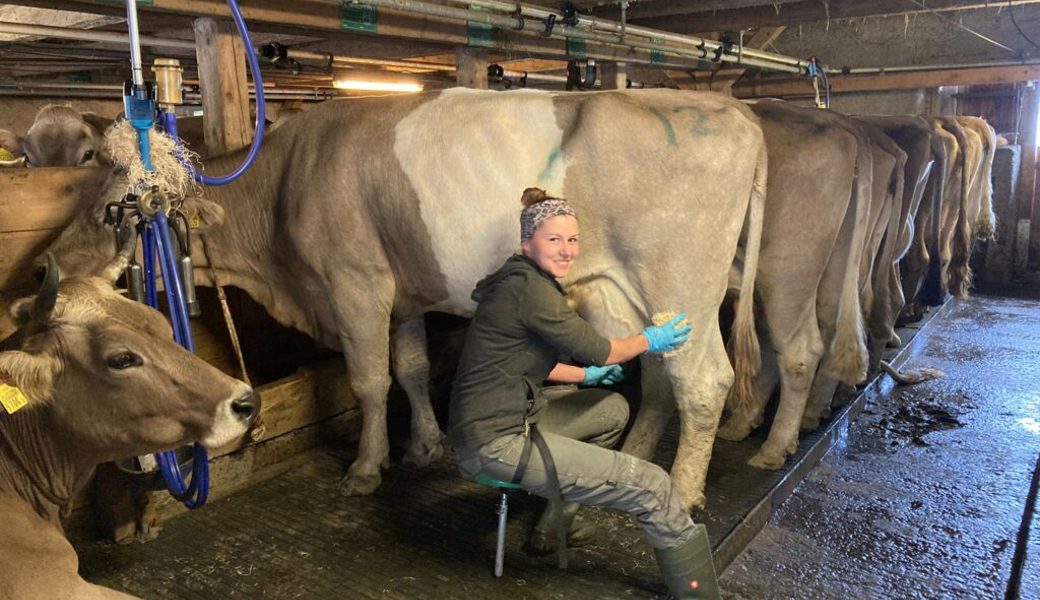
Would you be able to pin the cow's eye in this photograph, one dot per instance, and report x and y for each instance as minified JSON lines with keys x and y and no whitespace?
{"x":89,"y":154}
{"x":124,"y":360}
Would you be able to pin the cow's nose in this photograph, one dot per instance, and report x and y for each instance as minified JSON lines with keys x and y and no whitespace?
{"x":246,"y":407}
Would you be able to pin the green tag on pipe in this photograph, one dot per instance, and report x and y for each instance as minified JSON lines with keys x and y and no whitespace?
{"x":358,"y":17}
{"x":576,"y":47}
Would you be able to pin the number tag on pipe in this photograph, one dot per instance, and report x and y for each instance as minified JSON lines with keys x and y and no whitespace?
{"x":12,"y":398}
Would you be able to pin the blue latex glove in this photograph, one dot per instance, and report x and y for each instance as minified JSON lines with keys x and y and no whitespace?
{"x":667,"y":337}
{"x":608,"y":375}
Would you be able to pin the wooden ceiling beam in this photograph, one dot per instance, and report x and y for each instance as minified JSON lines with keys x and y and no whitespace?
{"x":891,"y":81}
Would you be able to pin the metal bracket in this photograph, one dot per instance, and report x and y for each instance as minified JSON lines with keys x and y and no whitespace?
{"x":519,"y":18}
{"x":570,"y":14}
{"x":152,"y":202}
{"x":550,"y":23}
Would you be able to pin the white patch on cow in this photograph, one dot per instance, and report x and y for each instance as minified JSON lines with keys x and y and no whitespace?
{"x":468,"y":202}
{"x":226,"y":427}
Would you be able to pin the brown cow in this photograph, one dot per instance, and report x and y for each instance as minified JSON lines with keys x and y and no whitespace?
{"x":360,"y":216}
{"x":808,"y":275}
{"x":60,"y":136}
{"x":104,"y":380}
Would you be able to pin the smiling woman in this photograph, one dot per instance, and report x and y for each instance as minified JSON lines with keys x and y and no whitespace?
{"x":549,"y":232}
{"x":521,"y":335}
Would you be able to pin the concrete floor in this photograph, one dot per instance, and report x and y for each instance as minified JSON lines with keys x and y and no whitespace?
{"x":922,"y":498}
{"x":925,"y":496}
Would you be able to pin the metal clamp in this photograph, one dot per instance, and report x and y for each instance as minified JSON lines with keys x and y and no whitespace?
{"x":570,"y":14}
{"x":153,"y":202}
{"x":550,"y":24}
{"x":519,"y":19}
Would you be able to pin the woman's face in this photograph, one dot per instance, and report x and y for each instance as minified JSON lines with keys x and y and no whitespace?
{"x":554,"y":245}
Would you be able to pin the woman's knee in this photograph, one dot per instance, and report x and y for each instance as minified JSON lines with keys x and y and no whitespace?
{"x":615,"y":410}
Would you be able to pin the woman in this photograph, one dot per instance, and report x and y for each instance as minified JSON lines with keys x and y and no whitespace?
{"x":521,"y":329}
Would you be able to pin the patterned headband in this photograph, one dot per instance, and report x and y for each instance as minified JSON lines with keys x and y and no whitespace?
{"x":532,"y":216}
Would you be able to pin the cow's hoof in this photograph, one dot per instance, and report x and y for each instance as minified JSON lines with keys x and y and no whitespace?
{"x":734,"y":430}
{"x":767,"y":461}
{"x":359,"y":485}
{"x":697,"y":501}
{"x":422,"y":454}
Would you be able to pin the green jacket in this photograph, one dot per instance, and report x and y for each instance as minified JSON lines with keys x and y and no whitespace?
{"x":521,"y":330}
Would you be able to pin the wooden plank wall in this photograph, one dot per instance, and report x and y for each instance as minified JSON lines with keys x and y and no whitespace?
{"x":35,"y":205}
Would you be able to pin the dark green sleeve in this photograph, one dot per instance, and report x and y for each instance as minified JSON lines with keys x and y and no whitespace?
{"x":545,"y":311}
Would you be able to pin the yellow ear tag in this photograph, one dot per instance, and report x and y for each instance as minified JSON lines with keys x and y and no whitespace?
{"x":12,"y":398}
{"x":196,"y":221}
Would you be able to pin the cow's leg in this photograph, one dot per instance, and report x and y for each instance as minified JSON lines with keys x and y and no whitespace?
{"x":896,"y":302}
{"x":798,"y":360}
{"x":656,"y":409}
{"x":740,"y":423}
{"x":365,"y":337}
{"x":412,"y":369}
{"x":700,"y":388}
{"x":820,"y":398}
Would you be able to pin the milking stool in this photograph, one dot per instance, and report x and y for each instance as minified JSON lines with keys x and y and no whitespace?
{"x":503,"y":511}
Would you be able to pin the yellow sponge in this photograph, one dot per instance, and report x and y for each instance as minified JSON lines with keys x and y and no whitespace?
{"x":5,"y":155}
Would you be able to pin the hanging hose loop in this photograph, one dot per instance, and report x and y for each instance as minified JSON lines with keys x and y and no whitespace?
{"x":261,"y":110}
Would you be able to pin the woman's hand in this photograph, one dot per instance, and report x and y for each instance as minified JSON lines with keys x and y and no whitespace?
{"x":669,"y":336}
{"x":608,"y":375}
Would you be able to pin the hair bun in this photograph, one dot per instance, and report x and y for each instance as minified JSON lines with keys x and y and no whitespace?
{"x":533,"y":195}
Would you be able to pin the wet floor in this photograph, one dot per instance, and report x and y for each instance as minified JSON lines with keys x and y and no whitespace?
{"x":921,"y":498}
{"x":924,"y":497}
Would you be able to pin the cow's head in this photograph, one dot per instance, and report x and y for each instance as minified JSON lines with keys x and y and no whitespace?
{"x":107,"y":378}
{"x":88,"y":243}
{"x":60,"y":137}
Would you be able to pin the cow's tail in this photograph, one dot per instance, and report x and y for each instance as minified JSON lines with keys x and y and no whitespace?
{"x":743,"y":342}
{"x":987,"y":223}
{"x":960,"y":270}
{"x":848,"y":351}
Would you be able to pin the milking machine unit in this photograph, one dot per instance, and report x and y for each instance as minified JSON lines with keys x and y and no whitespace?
{"x":164,"y":231}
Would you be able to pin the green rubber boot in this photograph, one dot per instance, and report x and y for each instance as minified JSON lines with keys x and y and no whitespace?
{"x":689,"y":570}
{"x":580,"y":532}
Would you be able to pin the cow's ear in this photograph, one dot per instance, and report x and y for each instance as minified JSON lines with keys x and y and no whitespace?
{"x":12,"y":143}
{"x":32,"y":374}
{"x":97,"y":122}
{"x":203,"y":214}
{"x":21,"y":310}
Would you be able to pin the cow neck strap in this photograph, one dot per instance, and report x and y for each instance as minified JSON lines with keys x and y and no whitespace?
{"x":232,"y":330}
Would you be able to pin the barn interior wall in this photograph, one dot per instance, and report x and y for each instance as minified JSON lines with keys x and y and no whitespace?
{"x":893,"y":102}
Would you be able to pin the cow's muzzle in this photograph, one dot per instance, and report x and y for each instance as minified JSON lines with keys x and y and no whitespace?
{"x":246,"y":407}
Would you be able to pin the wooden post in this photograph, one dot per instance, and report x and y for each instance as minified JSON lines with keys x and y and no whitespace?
{"x":614,"y":75}
{"x":471,"y":64}
{"x":225,"y":91}
{"x":1027,"y":179}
